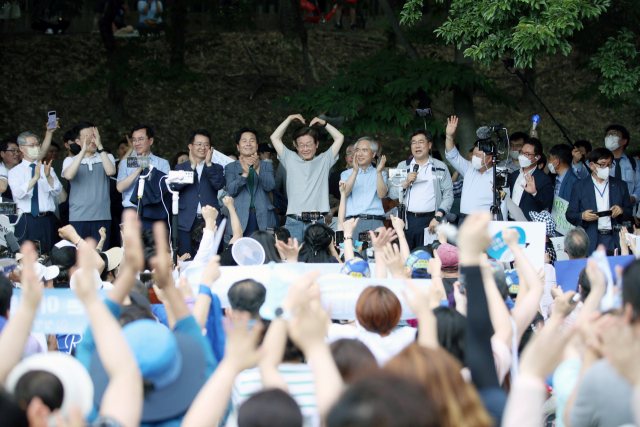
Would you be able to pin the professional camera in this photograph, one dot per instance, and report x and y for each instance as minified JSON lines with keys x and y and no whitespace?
{"x":494,"y":140}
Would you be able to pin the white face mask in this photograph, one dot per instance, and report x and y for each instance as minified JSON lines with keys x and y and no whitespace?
{"x":612,"y":142}
{"x":603,"y":173}
{"x":551,"y":168}
{"x":476,"y":162}
{"x":524,"y":161}
{"x":33,"y":152}
{"x":514,"y":154}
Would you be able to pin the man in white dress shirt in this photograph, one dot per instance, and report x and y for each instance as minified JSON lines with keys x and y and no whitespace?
{"x":34,"y":186}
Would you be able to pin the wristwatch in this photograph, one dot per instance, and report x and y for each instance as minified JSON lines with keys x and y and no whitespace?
{"x":101,"y":150}
{"x":283,"y":314}
{"x":438,"y":218}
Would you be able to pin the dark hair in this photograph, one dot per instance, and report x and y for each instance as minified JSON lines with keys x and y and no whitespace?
{"x":10,"y":412}
{"x":631,"y":285}
{"x":306,"y":130}
{"x":292,"y":353}
{"x":68,"y":136}
{"x":202,"y":132}
{"x":378,"y":309}
{"x":317,"y":239}
{"x":584,"y":144}
{"x":174,"y":161}
{"x":232,"y":153}
{"x":270,"y":408}
{"x":576,"y":242}
{"x":583,"y":281}
{"x":451,"y":331}
{"x":635,"y":153}
{"x":268,"y":242}
{"x":562,"y":152}
{"x":384,"y":400}
{"x":247,"y":129}
{"x":623,"y":130}
{"x":282,"y":234}
{"x":436,"y":155}
{"x":600,"y":153}
{"x":123,"y":141}
{"x":54,"y":144}
{"x":353,"y":359}
{"x":247,"y":295}
{"x":517,"y":136}
{"x":427,"y":134}
{"x":6,"y":290}
{"x":146,"y":128}
{"x":40,"y":384}
{"x":75,"y":131}
{"x":537,"y":145}
{"x":132,"y":312}
{"x":5,"y":145}
{"x":542,"y":161}
{"x":105,"y":272}
{"x":196,"y":234}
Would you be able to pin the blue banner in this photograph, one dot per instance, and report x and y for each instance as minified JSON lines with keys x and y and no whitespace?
{"x":60,"y":312}
{"x":567,"y":272}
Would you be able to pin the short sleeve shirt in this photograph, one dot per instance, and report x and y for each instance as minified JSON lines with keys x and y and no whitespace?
{"x":90,"y":199}
{"x":307,"y":181}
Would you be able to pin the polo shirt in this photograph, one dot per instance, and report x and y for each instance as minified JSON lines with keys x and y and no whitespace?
{"x":90,"y":199}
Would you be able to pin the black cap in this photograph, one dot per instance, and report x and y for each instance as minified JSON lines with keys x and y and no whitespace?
{"x":265,"y":148}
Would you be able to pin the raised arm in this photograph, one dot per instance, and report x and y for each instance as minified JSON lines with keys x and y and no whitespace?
{"x":125,"y":181}
{"x":123,"y":397}
{"x":70,"y":171}
{"x":46,"y":143}
{"x":276,"y":137}
{"x":398,"y":225}
{"x":498,"y":311}
{"x":349,"y":227}
{"x":15,"y":333}
{"x":203,"y":301}
{"x":452,"y":126}
{"x":381,"y":181}
{"x":419,"y":303}
{"x":69,"y":233}
{"x":133,"y":258}
{"x":236,"y":225}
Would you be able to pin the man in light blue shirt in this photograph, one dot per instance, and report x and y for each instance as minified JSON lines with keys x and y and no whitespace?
{"x":365,"y":186}
{"x":149,"y":13}
{"x":142,"y":139}
{"x":616,"y":140}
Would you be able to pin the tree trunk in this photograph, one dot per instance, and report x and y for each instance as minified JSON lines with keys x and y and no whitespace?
{"x":463,"y":108}
{"x":391,"y":17}
{"x":177,"y":32}
{"x":302,"y":33}
{"x":115,"y":95}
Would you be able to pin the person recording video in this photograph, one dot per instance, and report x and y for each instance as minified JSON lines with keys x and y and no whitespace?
{"x":477,"y":193}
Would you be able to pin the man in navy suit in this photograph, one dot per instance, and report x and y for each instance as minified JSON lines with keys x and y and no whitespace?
{"x":207,"y":180}
{"x":531,"y":188}
{"x":600,"y":192}
{"x":560,"y":159}
{"x":249,"y":181}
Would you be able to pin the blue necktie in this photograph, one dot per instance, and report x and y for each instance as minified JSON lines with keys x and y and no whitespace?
{"x":35,"y":206}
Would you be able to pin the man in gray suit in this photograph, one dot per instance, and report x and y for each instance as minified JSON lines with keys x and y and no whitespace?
{"x":249,"y":181}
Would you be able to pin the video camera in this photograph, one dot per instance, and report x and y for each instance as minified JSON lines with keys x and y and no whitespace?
{"x":494,"y":140}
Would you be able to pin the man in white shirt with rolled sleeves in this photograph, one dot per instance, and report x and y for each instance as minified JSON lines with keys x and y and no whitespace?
{"x":34,"y":186}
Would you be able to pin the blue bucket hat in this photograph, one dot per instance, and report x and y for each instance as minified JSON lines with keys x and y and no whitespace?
{"x":419,"y":261}
{"x":173,"y":363}
{"x":356,"y":267}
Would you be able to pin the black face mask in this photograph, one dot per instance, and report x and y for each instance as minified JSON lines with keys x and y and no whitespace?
{"x":74,"y":148}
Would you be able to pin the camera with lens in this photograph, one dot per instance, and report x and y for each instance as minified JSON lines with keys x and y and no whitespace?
{"x":624,"y":224}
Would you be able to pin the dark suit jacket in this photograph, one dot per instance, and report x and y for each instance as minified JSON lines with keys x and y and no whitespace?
{"x":238,"y":188}
{"x":203,"y":191}
{"x":543,"y":199}
{"x":583,"y":198}
{"x":567,"y":184}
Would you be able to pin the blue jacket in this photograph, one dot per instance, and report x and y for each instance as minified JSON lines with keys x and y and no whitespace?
{"x":238,"y":188}
{"x":543,"y":199}
{"x":203,"y":191}
{"x":155,"y":191}
{"x":583,"y":198}
{"x":567,"y":184}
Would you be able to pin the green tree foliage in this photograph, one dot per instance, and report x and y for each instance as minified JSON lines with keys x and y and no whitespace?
{"x":381,"y":92}
{"x":522,"y":29}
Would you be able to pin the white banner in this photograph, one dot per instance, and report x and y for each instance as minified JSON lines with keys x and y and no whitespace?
{"x":532,"y":241}
{"x":558,"y":212}
{"x":558,"y":245}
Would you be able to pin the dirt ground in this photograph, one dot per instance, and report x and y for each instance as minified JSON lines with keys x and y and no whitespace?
{"x":36,"y":70}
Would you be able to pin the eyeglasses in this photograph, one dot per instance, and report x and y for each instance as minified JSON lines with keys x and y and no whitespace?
{"x":200,"y":145}
{"x":303,"y":146}
{"x":12,"y":150}
{"x":362,"y":150}
{"x":415,"y":143}
{"x":349,"y":153}
{"x":527,"y":155}
{"x":601,"y":166}
{"x":31,"y":145}
{"x":139,"y":139}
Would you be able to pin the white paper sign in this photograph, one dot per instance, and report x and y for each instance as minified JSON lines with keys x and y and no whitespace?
{"x":220,"y":158}
{"x":534,"y":240}
{"x":558,"y":245}
{"x":558,"y":212}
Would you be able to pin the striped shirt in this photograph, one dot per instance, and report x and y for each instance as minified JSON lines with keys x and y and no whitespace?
{"x":299,"y":379}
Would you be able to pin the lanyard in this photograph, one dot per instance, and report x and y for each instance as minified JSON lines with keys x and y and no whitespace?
{"x":603,"y":191}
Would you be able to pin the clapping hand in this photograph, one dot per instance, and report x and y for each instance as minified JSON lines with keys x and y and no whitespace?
{"x":31,"y":286}
{"x":85,"y":287}
{"x":47,"y":168}
{"x":161,"y":263}
{"x":381,"y":164}
{"x":241,"y":348}
{"x":207,"y":158}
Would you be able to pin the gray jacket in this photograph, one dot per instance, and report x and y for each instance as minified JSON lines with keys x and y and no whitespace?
{"x":443,"y":186}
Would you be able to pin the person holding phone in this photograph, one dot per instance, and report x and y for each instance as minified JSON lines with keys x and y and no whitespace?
{"x":88,"y":173}
{"x":599,"y":202}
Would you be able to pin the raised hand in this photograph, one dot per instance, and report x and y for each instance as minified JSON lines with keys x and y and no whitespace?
{"x":207,"y":158}
{"x":228,"y":201}
{"x":434,"y":268}
{"x":397,"y":223}
{"x":31,"y":286}
{"x":349,"y":226}
{"x":394,"y":260}
{"x":211,"y":272}
{"x":296,"y":118}
{"x":210,"y":214}
{"x":69,"y":233}
{"x":307,"y":330}
{"x":134,"y":255}
{"x":510,"y":237}
{"x":85,"y":287}
{"x":103,"y":233}
{"x":385,"y":236}
{"x":241,"y":346}
{"x":452,"y":126}
{"x":51,"y":131}
{"x":96,"y":134}
{"x":530,"y":186}
{"x":301,"y":292}
{"x":291,"y":249}
{"x":565,"y":304}
{"x":161,"y":263}
{"x":473,"y":238}
{"x":577,"y":156}
{"x":317,"y":121}
{"x":47,"y":168}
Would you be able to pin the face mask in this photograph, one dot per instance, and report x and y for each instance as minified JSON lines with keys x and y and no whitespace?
{"x":476,"y":162}
{"x":551,"y":168}
{"x":603,"y":173}
{"x":611,"y":142}
{"x":74,"y":148}
{"x":514,"y":154}
{"x":33,"y":152}
{"x":524,"y":161}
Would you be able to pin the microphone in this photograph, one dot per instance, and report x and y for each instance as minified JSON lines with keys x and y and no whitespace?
{"x":483,"y":133}
{"x":415,"y":169}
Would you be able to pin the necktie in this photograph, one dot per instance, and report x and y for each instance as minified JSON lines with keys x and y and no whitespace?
{"x":35,"y":206}
{"x":618,"y":173}
{"x":251,"y":181}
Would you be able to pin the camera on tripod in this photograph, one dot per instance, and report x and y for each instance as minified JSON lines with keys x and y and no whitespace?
{"x":494,"y":141}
